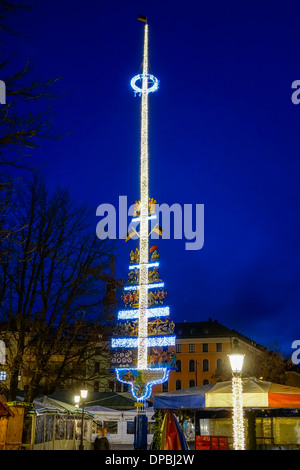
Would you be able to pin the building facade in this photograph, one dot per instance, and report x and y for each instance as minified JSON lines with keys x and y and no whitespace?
{"x":202,"y":350}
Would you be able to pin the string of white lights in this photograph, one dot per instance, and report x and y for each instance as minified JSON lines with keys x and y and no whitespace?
{"x":152,"y":341}
{"x":153,"y":86}
{"x":237,"y":414}
{"x":153,"y":312}
{"x":150,"y":265}
{"x":144,"y":214}
{"x":150,"y":217}
{"x":152,"y":285}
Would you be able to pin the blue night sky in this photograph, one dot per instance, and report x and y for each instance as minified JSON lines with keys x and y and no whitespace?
{"x":223,"y":133}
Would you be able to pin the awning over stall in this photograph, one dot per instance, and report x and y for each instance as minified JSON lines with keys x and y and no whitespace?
{"x":256,"y":393}
{"x":193,"y":397}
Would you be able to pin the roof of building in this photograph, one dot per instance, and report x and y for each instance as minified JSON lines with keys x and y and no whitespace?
{"x":209,"y":329}
{"x":118,"y":401}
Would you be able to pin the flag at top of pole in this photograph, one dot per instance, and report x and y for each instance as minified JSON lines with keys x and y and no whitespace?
{"x":142,"y":18}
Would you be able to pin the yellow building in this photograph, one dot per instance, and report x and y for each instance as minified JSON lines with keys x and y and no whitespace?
{"x":201,"y":354}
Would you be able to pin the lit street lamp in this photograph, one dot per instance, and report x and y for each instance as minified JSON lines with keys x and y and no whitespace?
{"x":236,"y":359}
{"x":80,"y":400}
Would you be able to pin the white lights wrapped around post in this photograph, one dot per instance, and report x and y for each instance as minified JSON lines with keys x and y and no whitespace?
{"x":144,"y":194}
{"x":236,"y":362}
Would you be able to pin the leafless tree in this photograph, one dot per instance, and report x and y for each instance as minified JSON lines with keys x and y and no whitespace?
{"x":24,"y":121}
{"x":55,"y":272}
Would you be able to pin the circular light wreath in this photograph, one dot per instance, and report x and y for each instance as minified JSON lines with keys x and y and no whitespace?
{"x":153,"y":86}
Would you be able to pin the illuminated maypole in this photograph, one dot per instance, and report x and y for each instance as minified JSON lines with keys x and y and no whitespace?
{"x":147,"y":328}
{"x":144,"y":213}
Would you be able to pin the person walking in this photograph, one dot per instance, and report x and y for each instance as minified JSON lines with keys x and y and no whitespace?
{"x":101,"y":441}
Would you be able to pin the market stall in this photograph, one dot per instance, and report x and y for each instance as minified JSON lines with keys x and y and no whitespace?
{"x":272,"y":413}
{"x":54,"y":425}
{"x":256,"y":392}
{"x":5,"y":413}
{"x":119,"y":425}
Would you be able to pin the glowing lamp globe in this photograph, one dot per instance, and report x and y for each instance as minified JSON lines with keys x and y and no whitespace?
{"x":236,"y":359}
{"x":236,"y":362}
{"x":83,"y":393}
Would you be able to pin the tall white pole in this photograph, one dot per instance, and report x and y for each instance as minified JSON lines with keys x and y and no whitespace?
{"x":144,"y":213}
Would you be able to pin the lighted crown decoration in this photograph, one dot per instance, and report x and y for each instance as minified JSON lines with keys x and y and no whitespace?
{"x":143,"y":345}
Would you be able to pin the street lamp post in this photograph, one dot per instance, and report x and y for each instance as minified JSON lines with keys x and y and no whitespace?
{"x":236,"y":359}
{"x":81,"y":400}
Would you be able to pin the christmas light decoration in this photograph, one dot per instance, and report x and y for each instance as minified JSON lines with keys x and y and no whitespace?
{"x":162,"y":375}
{"x":144,"y":213}
{"x":150,"y":359}
{"x":138,"y":219}
{"x":161,"y":341}
{"x":150,"y":265}
{"x":152,"y":313}
{"x":236,"y":358}
{"x":237,"y":414}
{"x":151,"y":341}
{"x":153,"y":285}
{"x":144,"y":77}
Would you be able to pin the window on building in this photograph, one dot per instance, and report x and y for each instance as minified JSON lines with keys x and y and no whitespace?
{"x":118,"y":387}
{"x":111,"y":427}
{"x":126,"y":387}
{"x":130,"y":427}
{"x":178,"y":384}
{"x":219,"y":364}
{"x":178,"y":365}
{"x":165,"y":387}
{"x":205,"y":382}
{"x":205,"y":365}
{"x":191,"y":348}
{"x":219,"y":347}
{"x":96,"y":367}
{"x":205,"y":347}
{"x":192,"y":383}
{"x":192,"y":365}
{"x":96,"y":385}
{"x":178,"y":348}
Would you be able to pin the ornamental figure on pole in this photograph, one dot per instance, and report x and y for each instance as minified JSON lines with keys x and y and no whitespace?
{"x":144,"y":344}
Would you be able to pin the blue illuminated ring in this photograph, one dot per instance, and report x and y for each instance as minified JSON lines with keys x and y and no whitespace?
{"x":152,"y":88}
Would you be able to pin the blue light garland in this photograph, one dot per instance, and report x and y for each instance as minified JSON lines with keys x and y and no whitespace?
{"x":153,"y":312}
{"x":138,"y":219}
{"x":150,"y":286}
{"x":149,"y":265}
{"x":152,"y":341}
{"x":148,"y":388}
{"x":150,"y":89}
